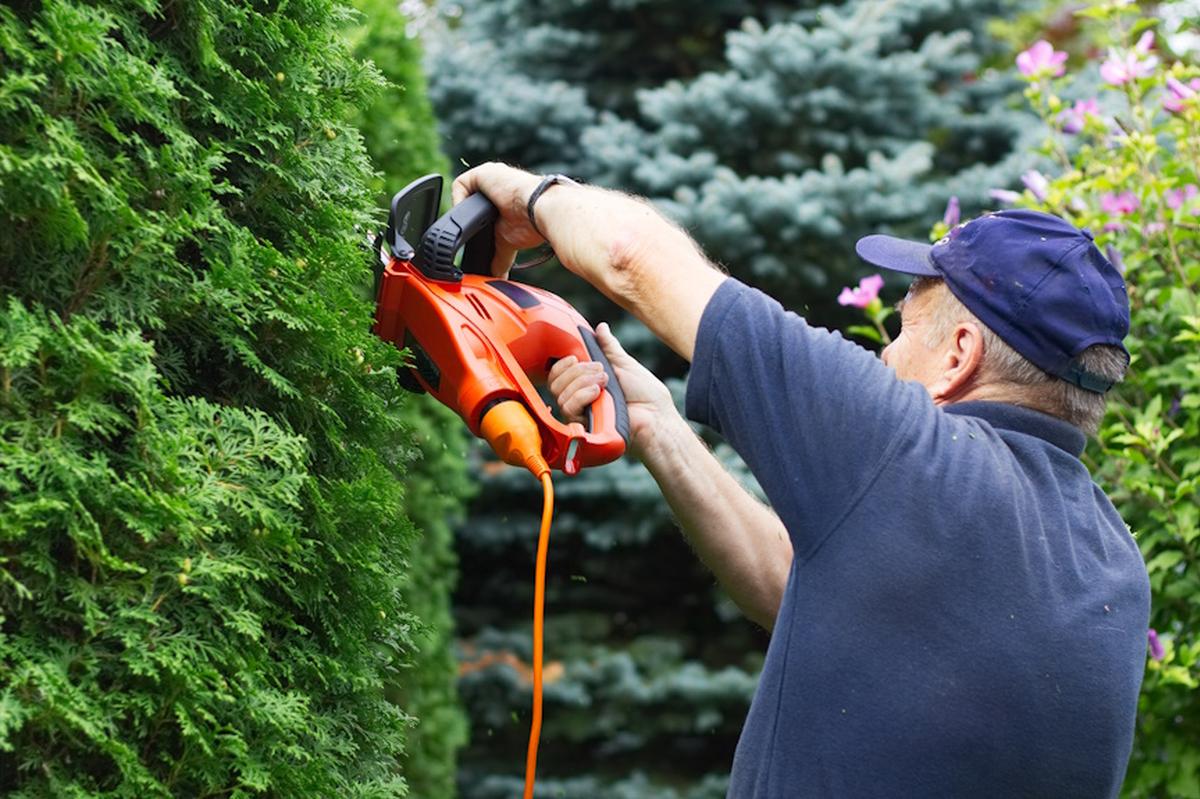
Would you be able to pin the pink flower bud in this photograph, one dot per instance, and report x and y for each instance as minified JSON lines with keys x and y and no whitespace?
{"x":1036,"y":182}
{"x":1006,"y":196}
{"x":953,"y":212}
{"x":1179,"y":88}
{"x":1156,"y":648}
{"x":1178,"y":94}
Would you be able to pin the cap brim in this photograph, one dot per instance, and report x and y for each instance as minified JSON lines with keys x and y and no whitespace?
{"x":898,"y":255}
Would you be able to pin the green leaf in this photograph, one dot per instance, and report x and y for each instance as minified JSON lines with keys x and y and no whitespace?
{"x":1164,"y":561}
{"x":866,"y":331}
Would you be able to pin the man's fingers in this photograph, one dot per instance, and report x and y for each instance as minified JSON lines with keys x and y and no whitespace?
{"x":503,"y":259}
{"x":575,"y":385}
{"x":459,"y":190}
{"x":574,"y":408}
{"x":498,"y":181}
{"x":606,"y":338}
{"x":562,"y":376}
{"x":507,"y":188}
{"x":559,"y":375}
{"x":465,"y":184}
{"x":580,"y":394}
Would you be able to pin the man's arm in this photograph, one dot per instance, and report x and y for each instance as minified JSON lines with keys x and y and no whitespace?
{"x":653,"y":269}
{"x":619,"y":244}
{"x":739,"y":539}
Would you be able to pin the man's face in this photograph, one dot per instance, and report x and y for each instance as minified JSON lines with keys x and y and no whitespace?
{"x":908,"y":354}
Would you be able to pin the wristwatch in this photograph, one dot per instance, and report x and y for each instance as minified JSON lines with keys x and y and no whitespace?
{"x":546,"y":183}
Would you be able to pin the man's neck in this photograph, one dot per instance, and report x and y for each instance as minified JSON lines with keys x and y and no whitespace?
{"x":981,"y":392}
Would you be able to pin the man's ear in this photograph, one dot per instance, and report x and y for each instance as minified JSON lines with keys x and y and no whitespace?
{"x":961,"y":361}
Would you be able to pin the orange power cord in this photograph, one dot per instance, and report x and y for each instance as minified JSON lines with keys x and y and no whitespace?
{"x":514,"y":436}
{"x":539,"y":605}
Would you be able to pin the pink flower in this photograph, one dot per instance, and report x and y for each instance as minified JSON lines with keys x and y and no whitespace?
{"x":1036,"y":182}
{"x":864,"y":295}
{"x":1074,"y":118}
{"x":1156,"y":647}
{"x":1006,"y":196}
{"x":1041,"y":59}
{"x":953,"y":212}
{"x":1178,"y":93}
{"x":1118,"y":70}
{"x":1124,"y":203}
{"x":1154,"y":228}
{"x":1177,"y":198}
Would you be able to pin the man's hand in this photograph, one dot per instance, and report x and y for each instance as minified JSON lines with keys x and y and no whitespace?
{"x":615,"y":242}
{"x":508,"y":188}
{"x":576,"y":384}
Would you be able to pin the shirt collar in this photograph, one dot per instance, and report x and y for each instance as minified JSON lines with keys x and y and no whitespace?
{"x":1005,"y":416}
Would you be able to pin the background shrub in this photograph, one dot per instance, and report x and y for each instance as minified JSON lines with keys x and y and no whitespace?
{"x":1125,"y":120}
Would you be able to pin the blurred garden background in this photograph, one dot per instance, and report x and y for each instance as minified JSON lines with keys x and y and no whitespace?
{"x":236,"y":559}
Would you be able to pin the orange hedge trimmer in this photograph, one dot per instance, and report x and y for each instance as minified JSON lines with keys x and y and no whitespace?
{"x":481,"y":345}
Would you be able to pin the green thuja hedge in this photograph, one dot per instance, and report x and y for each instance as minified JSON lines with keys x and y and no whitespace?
{"x":203,"y":453}
{"x":401,"y":137}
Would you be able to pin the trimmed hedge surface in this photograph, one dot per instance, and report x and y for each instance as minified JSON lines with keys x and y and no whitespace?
{"x":203,"y":451}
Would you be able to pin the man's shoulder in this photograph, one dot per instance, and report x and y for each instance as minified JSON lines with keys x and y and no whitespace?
{"x":1011,"y":480}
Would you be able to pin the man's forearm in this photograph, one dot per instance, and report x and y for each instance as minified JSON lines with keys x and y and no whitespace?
{"x":618,"y":243}
{"x":634,"y":255}
{"x":737,"y":537}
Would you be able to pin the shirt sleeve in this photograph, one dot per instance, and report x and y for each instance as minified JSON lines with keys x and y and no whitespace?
{"x":814,"y":416}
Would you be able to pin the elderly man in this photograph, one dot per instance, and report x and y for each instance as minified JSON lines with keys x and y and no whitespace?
{"x":956,"y":608}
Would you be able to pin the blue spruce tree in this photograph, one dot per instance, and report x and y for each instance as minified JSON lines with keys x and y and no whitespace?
{"x":775,"y":134}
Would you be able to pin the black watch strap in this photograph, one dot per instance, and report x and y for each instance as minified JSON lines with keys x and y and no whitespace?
{"x":546,"y":183}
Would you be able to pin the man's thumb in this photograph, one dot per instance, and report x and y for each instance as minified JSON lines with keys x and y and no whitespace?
{"x":611,"y":347}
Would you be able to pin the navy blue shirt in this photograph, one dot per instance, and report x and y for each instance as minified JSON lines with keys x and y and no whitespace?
{"x":965,"y":613}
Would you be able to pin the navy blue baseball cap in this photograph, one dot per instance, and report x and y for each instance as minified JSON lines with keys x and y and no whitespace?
{"x":1037,"y":281}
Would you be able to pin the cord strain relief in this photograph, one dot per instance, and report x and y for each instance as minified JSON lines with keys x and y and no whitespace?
{"x":537,"y":464}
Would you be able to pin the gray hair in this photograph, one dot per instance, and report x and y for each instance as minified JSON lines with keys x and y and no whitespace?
{"x":1026,"y":383}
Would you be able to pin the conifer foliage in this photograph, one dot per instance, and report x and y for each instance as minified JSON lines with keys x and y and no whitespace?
{"x":776,"y":132}
{"x":401,"y":138}
{"x":202,"y":548}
